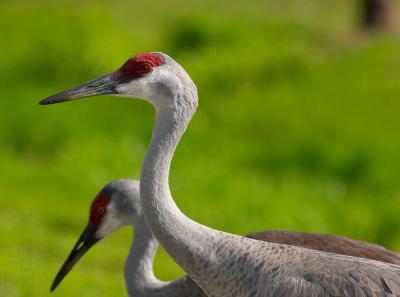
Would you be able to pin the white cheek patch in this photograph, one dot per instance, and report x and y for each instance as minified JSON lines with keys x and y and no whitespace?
{"x":159,"y":87}
{"x":109,"y":225}
{"x":134,"y":89}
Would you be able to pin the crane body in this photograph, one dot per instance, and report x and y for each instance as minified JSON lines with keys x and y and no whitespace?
{"x":222,"y":264}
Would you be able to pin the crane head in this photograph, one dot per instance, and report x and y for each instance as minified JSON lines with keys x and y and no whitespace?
{"x":154,"y":77}
{"x":115,"y":206}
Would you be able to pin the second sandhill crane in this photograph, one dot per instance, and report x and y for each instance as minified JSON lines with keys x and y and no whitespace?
{"x":222,"y":264}
{"x":118,"y":205}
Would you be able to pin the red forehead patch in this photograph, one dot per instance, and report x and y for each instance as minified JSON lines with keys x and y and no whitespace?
{"x":137,"y":66}
{"x":98,"y":209}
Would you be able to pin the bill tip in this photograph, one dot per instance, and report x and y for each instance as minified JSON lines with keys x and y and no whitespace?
{"x":53,"y":287}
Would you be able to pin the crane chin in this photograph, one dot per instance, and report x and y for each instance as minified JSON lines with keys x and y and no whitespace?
{"x":100,"y":86}
{"x":84,"y":243}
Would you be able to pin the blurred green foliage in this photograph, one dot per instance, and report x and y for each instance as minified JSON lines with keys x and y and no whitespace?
{"x":298,"y":127}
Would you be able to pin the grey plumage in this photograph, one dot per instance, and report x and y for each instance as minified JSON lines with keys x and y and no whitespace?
{"x":291,"y":271}
{"x":330,"y":243}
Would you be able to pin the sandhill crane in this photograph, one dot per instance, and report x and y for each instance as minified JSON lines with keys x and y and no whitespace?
{"x":118,"y":205}
{"x":222,"y":264}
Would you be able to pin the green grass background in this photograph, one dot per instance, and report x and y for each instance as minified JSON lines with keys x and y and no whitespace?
{"x":297,"y":128}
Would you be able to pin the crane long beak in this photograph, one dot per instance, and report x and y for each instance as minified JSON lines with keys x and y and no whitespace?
{"x":84,"y":243}
{"x":100,"y":86}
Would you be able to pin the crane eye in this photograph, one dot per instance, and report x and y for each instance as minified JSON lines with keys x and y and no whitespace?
{"x":101,"y":210}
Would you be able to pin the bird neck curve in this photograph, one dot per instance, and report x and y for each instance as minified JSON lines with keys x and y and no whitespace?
{"x":139,"y":273}
{"x":140,"y":280}
{"x":182,"y":238}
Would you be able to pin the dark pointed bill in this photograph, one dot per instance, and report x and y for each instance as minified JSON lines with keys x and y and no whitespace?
{"x":100,"y":86}
{"x":84,"y":243}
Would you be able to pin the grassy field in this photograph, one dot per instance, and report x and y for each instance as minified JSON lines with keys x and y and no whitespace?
{"x":298,"y":127}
